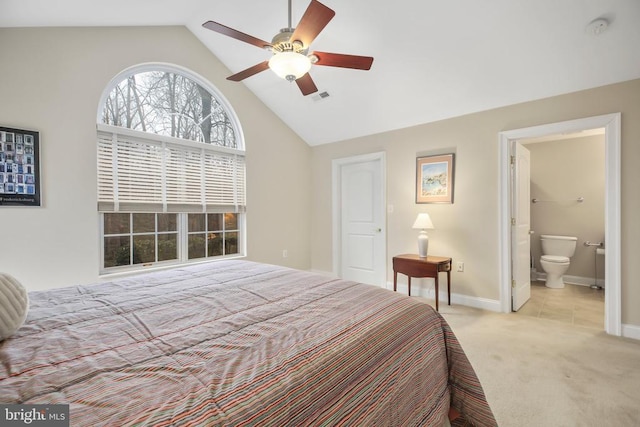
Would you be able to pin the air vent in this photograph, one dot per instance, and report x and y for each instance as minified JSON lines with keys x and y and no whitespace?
{"x":320,"y":96}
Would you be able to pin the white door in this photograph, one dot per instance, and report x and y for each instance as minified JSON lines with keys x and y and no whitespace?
{"x":361,"y":216}
{"x":521,"y":226}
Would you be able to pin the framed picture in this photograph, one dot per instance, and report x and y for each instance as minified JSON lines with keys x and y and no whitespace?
{"x":434,"y":179}
{"x":19,"y":167}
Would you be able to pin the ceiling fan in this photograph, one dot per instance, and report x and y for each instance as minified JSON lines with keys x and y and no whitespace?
{"x":291,"y":58}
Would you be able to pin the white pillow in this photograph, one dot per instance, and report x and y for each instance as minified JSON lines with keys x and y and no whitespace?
{"x":14,"y":304}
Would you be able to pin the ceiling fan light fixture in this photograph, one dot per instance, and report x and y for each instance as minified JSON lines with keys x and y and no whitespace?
{"x":291,"y":58}
{"x":290,"y":65}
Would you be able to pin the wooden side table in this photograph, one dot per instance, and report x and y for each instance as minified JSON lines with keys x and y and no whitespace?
{"x":413,"y":266}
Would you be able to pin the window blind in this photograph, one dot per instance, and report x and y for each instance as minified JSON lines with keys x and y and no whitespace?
{"x":138,"y":171}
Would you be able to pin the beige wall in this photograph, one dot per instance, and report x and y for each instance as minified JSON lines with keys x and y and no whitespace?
{"x":51,"y":81}
{"x":468,"y":230}
{"x":562,"y":171}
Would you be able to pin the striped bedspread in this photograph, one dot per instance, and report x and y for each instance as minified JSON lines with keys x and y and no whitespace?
{"x":237,"y":343}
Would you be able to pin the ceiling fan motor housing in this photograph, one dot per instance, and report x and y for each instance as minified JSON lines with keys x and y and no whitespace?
{"x":282,"y":42}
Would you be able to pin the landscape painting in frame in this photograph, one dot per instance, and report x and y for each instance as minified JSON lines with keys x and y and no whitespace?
{"x":434,"y":179}
{"x":19,"y":167}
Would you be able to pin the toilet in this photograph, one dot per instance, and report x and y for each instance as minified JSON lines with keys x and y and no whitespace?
{"x":555,"y":260}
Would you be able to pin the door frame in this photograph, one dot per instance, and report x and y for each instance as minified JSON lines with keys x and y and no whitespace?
{"x":612,"y":126}
{"x":336,"y":166}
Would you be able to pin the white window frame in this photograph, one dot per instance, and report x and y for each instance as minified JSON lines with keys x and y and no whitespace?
{"x":207,"y":231}
{"x":165,"y":207}
{"x":172,"y":68}
{"x":182,"y":245}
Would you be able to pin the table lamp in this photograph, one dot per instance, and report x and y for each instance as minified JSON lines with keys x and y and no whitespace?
{"x":423,"y":222}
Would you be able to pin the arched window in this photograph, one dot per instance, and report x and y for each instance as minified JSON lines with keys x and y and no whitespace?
{"x":171,"y":171}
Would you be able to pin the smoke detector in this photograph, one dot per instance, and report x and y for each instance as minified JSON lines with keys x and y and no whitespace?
{"x":597,"y":27}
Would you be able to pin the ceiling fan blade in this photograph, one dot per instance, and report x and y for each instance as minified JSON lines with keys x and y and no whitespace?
{"x":306,"y":84}
{"x":315,"y":18}
{"x":344,"y":61}
{"x":223,"y":29}
{"x":249,"y":72}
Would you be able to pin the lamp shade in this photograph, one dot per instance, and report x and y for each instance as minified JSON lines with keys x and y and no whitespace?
{"x":423,"y":222}
{"x":290,"y":65}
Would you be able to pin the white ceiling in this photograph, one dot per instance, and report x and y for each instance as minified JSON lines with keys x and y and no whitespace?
{"x":433,"y":59}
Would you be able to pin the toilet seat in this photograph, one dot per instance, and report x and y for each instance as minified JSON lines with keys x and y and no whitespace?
{"x":555,"y":258}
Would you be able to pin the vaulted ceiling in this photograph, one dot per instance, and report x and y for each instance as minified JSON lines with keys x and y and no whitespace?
{"x":433,"y":59}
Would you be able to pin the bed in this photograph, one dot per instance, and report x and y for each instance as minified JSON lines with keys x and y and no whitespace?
{"x":238,"y":343}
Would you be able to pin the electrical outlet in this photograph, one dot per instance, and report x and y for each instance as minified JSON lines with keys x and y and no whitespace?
{"x":460,"y":266}
{"x":285,"y":253}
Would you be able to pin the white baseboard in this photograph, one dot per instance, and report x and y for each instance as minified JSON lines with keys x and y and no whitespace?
{"x":476,"y":302}
{"x":429,"y":292}
{"x":631,"y":331}
{"x":574,"y":280}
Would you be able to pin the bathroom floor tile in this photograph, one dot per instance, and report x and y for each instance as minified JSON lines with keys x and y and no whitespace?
{"x":573,"y":304}
{"x":556,"y":314}
{"x":581,"y":303}
{"x":589,"y":322}
{"x":531,"y":308}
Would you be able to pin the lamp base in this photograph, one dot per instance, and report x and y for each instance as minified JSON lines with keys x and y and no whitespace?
{"x":423,"y":244}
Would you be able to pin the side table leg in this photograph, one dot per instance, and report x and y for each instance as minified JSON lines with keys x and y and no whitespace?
{"x":437,"y":292}
{"x":395,"y":280}
{"x":409,"y":285}
{"x":449,"y":287}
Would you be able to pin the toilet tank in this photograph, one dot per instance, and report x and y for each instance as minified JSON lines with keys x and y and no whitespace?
{"x":558,"y":245}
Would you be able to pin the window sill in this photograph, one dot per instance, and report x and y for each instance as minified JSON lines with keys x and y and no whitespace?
{"x":135,"y":272}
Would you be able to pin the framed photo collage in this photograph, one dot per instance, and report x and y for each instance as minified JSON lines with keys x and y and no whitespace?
{"x":19,"y":167}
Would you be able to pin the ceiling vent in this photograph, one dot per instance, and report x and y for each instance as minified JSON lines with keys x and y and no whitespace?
{"x":320,"y":96}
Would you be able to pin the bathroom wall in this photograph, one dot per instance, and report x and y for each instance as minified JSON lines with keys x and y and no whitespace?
{"x":561,"y":171}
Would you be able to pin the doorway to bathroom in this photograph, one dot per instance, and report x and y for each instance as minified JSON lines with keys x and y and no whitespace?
{"x":567,"y":180}
{"x":514,"y":285}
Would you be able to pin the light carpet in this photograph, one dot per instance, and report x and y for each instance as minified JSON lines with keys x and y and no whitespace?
{"x":538,"y":372}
